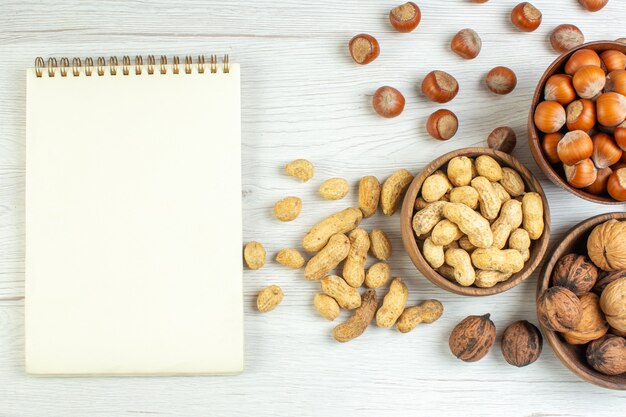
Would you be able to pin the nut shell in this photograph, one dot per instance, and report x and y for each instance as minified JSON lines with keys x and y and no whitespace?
{"x":576,"y":273}
{"x":559,"y":309}
{"x":606,"y":278}
{"x":606,"y":245}
{"x":613,"y":304}
{"x":592,"y":325}
{"x":521,"y":343}
{"x":608,"y":355}
{"x":472,"y":338}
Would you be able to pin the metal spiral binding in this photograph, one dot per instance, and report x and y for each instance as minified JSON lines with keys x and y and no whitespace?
{"x":50,"y":66}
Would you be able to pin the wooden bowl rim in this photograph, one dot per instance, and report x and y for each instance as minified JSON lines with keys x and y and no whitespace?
{"x":533,"y":134}
{"x":557,"y":345}
{"x":410,"y":242}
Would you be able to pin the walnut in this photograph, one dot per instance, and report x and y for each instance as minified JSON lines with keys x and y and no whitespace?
{"x":592,"y":325}
{"x":472,"y":338}
{"x":605,"y":278}
{"x":575,"y":273}
{"x":559,"y":309}
{"x":606,"y":245}
{"x":608,"y":355}
{"x":613,"y":303}
{"x":521,"y":343}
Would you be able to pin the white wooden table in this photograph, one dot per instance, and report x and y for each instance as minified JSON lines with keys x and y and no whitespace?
{"x":303,"y":97}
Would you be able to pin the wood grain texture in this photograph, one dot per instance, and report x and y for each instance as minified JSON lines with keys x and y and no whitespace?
{"x":302,"y":97}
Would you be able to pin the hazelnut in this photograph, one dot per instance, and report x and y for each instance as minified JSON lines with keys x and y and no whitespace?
{"x":521,"y":343}
{"x":566,"y":37}
{"x":592,"y":325}
{"x":439,"y":86}
{"x":606,"y":278}
{"x":611,"y":109}
{"x":388,"y":102}
{"x":608,"y":355}
{"x":559,"y":88}
{"x":502,"y":139}
{"x":616,"y":81}
{"x":526,"y":17}
{"x":405,"y":17}
{"x":582,"y":58}
{"x":613,"y":60}
{"x":589,"y":81}
{"x":593,"y":5}
{"x":605,"y":150}
{"x":501,"y":80}
{"x":559,"y":309}
{"x":472,"y":338}
{"x":550,"y":144}
{"x":613,"y":304}
{"x":606,"y":245}
{"x":616,"y":184}
{"x":576,"y":273}
{"x":582,"y":174}
{"x":599,"y":186}
{"x":442,"y":124}
{"x":466,"y":44}
{"x":574,"y":147}
{"x":581,"y":115}
{"x":364,"y":48}
{"x":550,"y":116}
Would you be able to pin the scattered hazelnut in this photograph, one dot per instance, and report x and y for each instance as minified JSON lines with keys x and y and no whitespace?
{"x":574,"y":147}
{"x":559,"y":309}
{"x":606,"y":278}
{"x":593,"y":5}
{"x":501,"y":80}
{"x":521,"y":343}
{"x":388,"y":102}
{"x":613,"y":304}
{"x":582,"y":174}
{"x":581,"y":115}
{"x":599,"y":186}
{"x":613,"y":60}
{"x":606,"y":245}
{"x":581,"y":58}
{"x":466,"y":44}
{"x":616,"y":185}
{"x":550,"y":144}
{"x":608,"y":355}
{"x":526,"y":17}
{"x":442,"y":124}
{"x":576,"y":273}
{"x":364,"y":48}
{"x":502,"y":139}
{"x":611,"y":109}
{"x":472,"y":338}
{"x":592,"y":325}
{"x":559,"y":88}
{"x":439,"y":86}
{"x":589,"y":81}
{"x":550,"y":116}
{"x":405,"y":17}
{"x":566,"y":37}
{"x":605,"y":150}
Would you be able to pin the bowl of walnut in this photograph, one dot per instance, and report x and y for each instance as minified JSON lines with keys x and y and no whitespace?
{"x":475,"y":222}
{"x":581,"y":300}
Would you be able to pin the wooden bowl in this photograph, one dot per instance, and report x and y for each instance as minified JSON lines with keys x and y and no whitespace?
{"x":573,"y":356}
{"x":553,"y":172}
{"x":537,"y":249}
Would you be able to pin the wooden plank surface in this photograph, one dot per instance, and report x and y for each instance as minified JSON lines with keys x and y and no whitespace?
{"x":303,"y":97}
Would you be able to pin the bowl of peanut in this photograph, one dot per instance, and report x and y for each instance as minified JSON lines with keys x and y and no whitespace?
{"x":475,"y":222}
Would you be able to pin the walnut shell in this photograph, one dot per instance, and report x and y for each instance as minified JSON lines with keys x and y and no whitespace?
{"x":472,"y":338}
{"x":521,"y":343}
{"x":608,"y":355}
{"x":559,"y":309}
{"x":592,"y":325}
{"x":576,"y":273}
{"x":606,"y":245}
{"x":605,"y":278}
{"x":613,"y":304}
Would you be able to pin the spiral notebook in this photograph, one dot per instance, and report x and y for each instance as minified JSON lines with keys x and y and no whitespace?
{"x":133,"y":217}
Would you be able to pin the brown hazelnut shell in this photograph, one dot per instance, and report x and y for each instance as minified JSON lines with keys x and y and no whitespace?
{"x":592,"y":325}
{"x":559,"y":309}
{"x":472,"y":338}
{"x":521,"y":343}
{"x":606,"y":245}
{"x":576,"y":273}
{"x":608,"y":355}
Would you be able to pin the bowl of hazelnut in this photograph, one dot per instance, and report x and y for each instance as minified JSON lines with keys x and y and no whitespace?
{"x":581,"y":300}
{"x":577,"y":122}
{"x":475,"y":222}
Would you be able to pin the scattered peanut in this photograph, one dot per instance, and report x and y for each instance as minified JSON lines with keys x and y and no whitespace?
{"x":460,"y":260}
{"x":377,"y":275}
{"x":300,"y":169}
{"x":326,"y":306}
{"x":334,"y":189}
{"x":354,"y":267}
{"x":369,"y":195}
{"x":290,"y":258}
{"x":393,"y":304}
{"x":356,"y":325}
{"x":341,"y":222}
{"x":328,"y":258}
{"x":336,"y":287}
{"x":380,"y":245}
{"x":393,"y":190}
{"x":269,"y":298}
{"x":254,"y":255}
{"x":426,"y":312}
{"x":288,"y":209}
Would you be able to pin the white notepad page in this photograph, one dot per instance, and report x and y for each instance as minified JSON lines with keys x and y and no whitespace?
{"x":133,"y":223}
